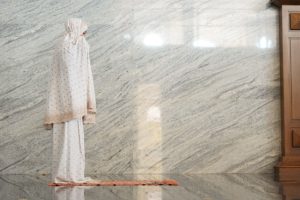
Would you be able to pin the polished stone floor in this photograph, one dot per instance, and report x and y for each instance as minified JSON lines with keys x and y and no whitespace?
{"x":200,"y":186}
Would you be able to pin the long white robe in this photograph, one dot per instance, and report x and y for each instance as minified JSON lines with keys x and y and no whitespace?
{"x":68,"y":153}
{"x":70,"y":103}
{"x":71,"y":93}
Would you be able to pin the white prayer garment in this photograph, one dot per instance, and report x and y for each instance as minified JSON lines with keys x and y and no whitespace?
{"x":70,"y":103}
{"x":71,"y":92}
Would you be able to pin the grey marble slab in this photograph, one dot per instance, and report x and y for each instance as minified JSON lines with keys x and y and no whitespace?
{"x":181,"y":86}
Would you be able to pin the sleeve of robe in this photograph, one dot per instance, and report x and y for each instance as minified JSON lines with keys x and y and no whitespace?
{"x":51,"y":83}
{"x":91,"y":99}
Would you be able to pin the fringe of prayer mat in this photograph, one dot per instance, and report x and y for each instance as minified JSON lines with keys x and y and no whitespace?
{"x":170,"y":182}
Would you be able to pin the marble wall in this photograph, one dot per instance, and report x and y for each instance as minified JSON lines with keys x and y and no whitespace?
{"x":182,"y":86}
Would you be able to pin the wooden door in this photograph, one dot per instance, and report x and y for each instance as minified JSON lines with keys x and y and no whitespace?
{"x":289,"y":166}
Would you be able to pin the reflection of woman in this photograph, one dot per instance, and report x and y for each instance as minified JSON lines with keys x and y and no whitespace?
{"x":70,"y":103}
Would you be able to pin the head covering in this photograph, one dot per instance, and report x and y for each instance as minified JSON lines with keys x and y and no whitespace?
{"x":74,"y":29}
{"x":71,"y":92}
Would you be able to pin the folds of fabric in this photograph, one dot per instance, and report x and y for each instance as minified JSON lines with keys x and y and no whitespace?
{"x":68,"y":153}
{"x":71,"y":93}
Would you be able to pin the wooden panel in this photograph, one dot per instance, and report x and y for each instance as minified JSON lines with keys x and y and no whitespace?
{"x":296,"y":137}
{"x":285,"y":2}
{"x":295,"y":76}
{"x":288,"y":169}
{"x":290,"y":190}
{"x":287,"y":172}
{"x":295,"y":21}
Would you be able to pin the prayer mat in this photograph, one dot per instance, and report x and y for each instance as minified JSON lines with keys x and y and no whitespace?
{"x":170,"y":182}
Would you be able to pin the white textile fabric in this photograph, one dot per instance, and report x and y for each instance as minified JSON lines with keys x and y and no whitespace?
{"x":68,"y":154}
{"x":71,"y":92}
{"x":70,"y":103}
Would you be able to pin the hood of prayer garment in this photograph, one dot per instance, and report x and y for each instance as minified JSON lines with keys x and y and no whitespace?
{"x":71,"y":92}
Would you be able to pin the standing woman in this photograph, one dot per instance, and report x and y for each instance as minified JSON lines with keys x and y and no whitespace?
{"x":70,"y":103}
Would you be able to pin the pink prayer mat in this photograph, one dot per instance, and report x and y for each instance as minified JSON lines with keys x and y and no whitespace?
{"x":170,"y":182}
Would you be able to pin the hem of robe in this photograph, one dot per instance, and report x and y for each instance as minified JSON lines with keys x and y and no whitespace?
{"x":88,"y":118}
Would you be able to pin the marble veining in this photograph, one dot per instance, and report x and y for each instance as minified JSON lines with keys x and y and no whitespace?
{"x":181,"y":86}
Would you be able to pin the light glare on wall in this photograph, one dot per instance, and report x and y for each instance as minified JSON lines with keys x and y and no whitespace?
{"x":204,"y":43}
{"x":153,"y":114}
{"x":127,"y":36}
{"x":153,"y":39}
{"x":264,"y":43}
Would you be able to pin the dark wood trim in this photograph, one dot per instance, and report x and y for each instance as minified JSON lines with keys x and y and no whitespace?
{"x":279,"y":3}
{"x":289,"y":190}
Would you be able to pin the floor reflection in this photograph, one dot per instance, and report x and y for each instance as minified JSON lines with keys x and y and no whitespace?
{"x":68,"y":193}
{"x":290,"y":191}
{"x":201,"y":186}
